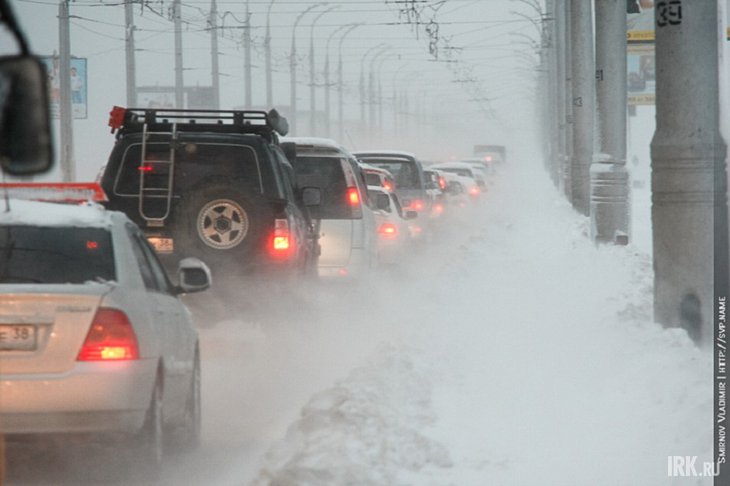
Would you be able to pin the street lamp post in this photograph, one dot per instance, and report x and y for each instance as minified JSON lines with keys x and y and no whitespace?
{"x":372,"y":96}
{"x":326,"y":72}
{"x":362,"y":82}
{"x":379,"y":97}
{"x":340,"y":84}
{"x":293,"y":69}
{"x":312,"y":76}
{"x":267,"y":53}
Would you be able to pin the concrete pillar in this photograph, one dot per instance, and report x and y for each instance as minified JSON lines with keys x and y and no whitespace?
{"x":583,"y":103}
{"x":609,"y":178}
{"x":689,"y":179}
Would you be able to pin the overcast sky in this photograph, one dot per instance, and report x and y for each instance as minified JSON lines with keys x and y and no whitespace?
{"x":464,"y":80}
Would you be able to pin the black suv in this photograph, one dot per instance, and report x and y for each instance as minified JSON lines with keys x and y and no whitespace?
{"x":211,"y":184}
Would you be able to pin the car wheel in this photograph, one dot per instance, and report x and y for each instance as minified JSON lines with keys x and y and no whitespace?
{"x":217,"y":221}
{"x":149,"y":442}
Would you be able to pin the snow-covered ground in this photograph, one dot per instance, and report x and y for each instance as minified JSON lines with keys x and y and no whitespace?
{"x":526,"y":355}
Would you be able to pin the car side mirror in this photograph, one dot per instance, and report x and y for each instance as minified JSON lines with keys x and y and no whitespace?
{"x":311,"y":196}
{"x":25,"y":131}
{"x":410,"y":215}
{"x":193,"y":276}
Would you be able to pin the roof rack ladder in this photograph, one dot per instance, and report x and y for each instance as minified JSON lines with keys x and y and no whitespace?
{"x":148,"y":194}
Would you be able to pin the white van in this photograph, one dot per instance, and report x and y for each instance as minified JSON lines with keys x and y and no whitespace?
{"x":347,"y":232}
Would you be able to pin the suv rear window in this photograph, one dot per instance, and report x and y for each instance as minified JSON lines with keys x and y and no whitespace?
{"x":462,"y":172}
{"x":327,"y":174}
{"x":193,"y":162}
{"x":404,"y":171}
{"x":54,"y":255}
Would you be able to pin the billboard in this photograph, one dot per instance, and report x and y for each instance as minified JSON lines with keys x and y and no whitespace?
{"x":640,"y":21}
{"x":79,"y":92}
{"x":641,"y":74}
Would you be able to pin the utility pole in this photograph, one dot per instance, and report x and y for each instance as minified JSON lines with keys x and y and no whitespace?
{"x":568,"y":100}
{"x":267,"y":51}
{"x":129,"y":47}
{"x":214,"y":69}
{"x":689,"y":176}
{"x":552,"y":111}
{"x":247,"y":58}
{"x":609,"y":178}
{"x":177,"y":17}
{"x":581,"y":40}
{"x":559,"y":43}
{"x":68,"y":169}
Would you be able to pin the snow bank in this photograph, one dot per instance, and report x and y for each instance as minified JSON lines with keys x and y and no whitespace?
{"x":365,"y":430}
{"x":532,"y":358}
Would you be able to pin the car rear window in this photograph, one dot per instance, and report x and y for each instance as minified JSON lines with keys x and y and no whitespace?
{"x":404,"y":171}
{"x":372,"y":179}
{"x":54,"y":255}
{"x":193,"y":162}
{"x":327,"y":174}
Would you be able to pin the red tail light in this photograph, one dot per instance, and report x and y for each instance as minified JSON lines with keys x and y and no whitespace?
{"x":474,"y":190}
{"x":388,"y":230}
{"x":353,"y":196}
{"x":111,"y":337}
{"x":417,"y":204}
{"x":145,"y":168}
{"x":442,"y":183}
{"x":281,"y":242}
{"x":387,"y":186}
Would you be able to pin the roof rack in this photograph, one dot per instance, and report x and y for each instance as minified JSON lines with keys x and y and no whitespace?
{"x":237,"y":121}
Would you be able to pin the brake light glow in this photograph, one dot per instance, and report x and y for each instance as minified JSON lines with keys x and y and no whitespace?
{"x":474,"y":190}
{"x":438,"y":208}
{"x":388,"y":230}
{"x":281,"y":242}
{"x":387,"y":186}
{"x":417,"y":204}
{"x":442,"y":183}
{"x":92,"y":245}
{"x":145,"y":168}
{"x":353,"y":196}
{"x":488,"y":158}
{"x":110,"y":337}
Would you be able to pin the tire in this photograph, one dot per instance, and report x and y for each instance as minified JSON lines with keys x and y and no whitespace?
{"x":187,"y":434}
{"x":219,"y":223}
{"x":148,"y":445}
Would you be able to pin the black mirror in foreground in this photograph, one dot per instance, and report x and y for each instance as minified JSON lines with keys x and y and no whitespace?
{"x":25,"y":132}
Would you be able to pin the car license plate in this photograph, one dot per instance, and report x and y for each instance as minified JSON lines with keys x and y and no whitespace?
{"x":161,"y":245}
{"x":17,"y":337}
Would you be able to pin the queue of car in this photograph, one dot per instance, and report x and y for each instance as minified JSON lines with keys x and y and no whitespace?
{"x":94,"y":337}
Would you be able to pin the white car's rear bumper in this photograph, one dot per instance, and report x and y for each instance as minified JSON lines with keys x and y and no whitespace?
{"x":92,"y":397}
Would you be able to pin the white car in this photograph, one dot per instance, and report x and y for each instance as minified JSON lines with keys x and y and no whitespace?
{"x":346,"y":224}
{"x":394,"y":232}
{"x":93,"y":336}
{"x":472,"y":179}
